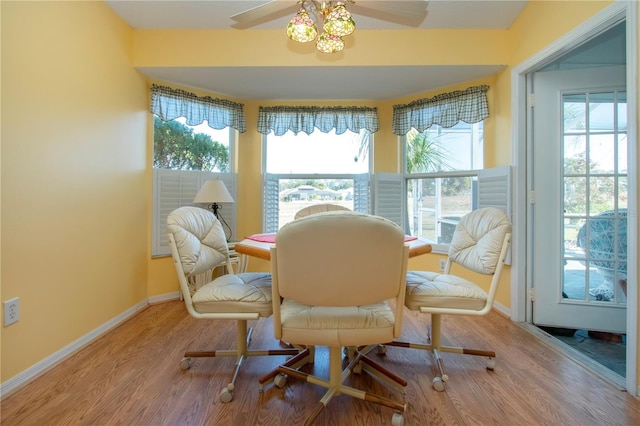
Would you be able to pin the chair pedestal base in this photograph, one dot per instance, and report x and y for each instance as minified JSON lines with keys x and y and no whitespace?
{"x":434,"y":346}
{"x":243,"y":338}
{"x":337,"y":375}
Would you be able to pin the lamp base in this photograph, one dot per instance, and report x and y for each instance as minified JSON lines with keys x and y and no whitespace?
{"x":215,"y":207}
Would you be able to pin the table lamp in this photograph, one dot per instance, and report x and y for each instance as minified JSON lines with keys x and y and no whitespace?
{"x":214,"y":192}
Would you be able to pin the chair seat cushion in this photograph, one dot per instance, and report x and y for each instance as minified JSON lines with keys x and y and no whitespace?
{"x":246,"y":292}
{"x":431,"y":289}
{"x":333,"y":326}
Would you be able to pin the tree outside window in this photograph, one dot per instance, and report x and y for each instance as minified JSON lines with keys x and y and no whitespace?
{"x":181,"y":147}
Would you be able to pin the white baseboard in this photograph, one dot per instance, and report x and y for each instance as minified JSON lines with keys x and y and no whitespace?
{"x":164,"y":297}
{"x":51,"y":361}
{"x":502,"y":309}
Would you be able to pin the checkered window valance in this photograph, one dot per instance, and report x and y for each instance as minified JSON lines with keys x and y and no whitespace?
{"x":169,"y":104}
{"x":306,"y":119}
{"x":445,"y":110}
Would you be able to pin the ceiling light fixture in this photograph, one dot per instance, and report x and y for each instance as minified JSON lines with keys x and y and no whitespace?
{"x":336,"y":21}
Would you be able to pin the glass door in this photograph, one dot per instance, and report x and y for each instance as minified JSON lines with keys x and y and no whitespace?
{"x":580,"y":191}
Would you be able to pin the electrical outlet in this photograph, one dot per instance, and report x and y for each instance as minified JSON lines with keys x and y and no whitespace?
{"x":442,"y":263}
{"x":11,"y":311}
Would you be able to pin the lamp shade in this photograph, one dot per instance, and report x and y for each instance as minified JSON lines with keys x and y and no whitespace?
{"x":339,"y":22}
{"x":213,"y":191}
{"x":329,"y":43}
{"x":301,"y":28}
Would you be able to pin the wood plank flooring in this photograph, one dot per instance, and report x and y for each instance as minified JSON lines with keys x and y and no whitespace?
{"x":131,"y":377}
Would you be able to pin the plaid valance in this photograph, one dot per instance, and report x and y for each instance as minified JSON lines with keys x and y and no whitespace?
{"x":445,"y":110}
{"x":280,"y":119}
{"x":169,"y":104}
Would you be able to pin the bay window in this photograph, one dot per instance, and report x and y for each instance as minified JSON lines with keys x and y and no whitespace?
{"x":194,"y":140}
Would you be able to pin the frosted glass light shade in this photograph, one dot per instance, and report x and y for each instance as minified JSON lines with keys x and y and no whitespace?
{"x":339,"y":21}
{"x":329,"y":43}
{"x":301,"y":28}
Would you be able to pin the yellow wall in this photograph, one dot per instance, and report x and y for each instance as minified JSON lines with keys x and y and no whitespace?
{"x":74,"y":175}
{"x":76,"y":146}
{"x":271,"y":48}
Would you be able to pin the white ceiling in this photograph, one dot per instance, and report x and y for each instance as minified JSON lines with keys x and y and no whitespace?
{"x":289,"y":83}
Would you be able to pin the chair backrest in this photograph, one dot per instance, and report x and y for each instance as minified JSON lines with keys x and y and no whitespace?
{"x":479,"y":238}
{"x":198,"y":245}
{"x":319,"y":208}
{"x":340,"y":259}
{"x":480,"y":243}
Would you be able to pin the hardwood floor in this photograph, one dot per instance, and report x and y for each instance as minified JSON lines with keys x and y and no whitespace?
{"x":131,"y":376}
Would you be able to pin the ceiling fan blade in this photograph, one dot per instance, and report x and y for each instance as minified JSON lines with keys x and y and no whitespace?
{"x":409,"y":13}
{"x":267,"y":12}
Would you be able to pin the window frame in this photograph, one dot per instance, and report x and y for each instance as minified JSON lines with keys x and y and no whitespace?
{"x":439,"y":247}
{"x":492,"y":186}
{"x":362,"y":185}
{"x":180,"y":189}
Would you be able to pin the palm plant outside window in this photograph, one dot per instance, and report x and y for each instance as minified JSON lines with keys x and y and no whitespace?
{"x":441,"y":178}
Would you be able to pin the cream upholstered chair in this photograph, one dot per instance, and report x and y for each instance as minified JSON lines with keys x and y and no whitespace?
{"x":480,"y":244}
{"x":198,"y":246}
{"x":319,"y":208}
{"x":336,"y":273}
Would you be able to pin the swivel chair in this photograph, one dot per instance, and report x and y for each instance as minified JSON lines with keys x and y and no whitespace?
{"x":198,"y":246}
{"x":480,"y":244}
{"x":336,"y":274}
{"x":318,"y":208}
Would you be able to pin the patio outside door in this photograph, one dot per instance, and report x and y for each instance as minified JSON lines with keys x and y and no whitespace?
{"x":580,"y":194}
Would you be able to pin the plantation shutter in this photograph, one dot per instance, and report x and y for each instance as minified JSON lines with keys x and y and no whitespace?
{"x":361,"y":193}
{"x":271,"y":194}
{"x":177,"y":188}
{"x":494,"y":188}
{"x":390,"y":202}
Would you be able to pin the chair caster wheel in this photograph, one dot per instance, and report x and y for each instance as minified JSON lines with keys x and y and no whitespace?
{"x":438,"y":384}
{"x":491,"y":364}
{"x":397,"y":419}
{"x":382,"y":349}
{"x":185,"y":364}
{"x":227,"y":394}
{"x":280,"y":381}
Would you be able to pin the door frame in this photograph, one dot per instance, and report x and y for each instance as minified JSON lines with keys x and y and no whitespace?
{"x":520,"y":152}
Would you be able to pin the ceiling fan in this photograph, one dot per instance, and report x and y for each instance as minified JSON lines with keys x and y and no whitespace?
{"x":408,"y":13}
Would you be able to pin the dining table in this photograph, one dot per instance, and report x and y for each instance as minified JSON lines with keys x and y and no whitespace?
{"x":259,"y":246}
